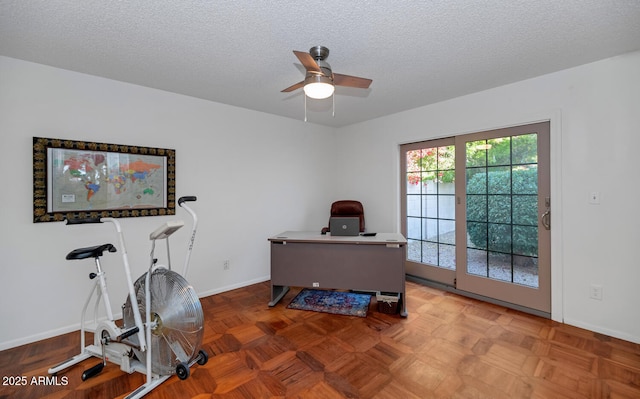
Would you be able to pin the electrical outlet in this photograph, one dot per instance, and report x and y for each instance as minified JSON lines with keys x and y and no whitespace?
{"x":225,"y":265}
{"x":595,"y":292}
{"x":316,"y":285}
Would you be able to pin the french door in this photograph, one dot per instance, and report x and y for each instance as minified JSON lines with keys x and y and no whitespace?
{"x":476,"y":213}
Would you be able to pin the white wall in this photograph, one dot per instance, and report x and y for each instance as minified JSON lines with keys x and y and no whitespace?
{"x":594,"y":111}
{"x":255,"y":175}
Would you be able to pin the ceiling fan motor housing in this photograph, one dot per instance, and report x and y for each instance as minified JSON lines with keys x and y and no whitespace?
{"x":325,"y":68}
{"x":320,"y":54}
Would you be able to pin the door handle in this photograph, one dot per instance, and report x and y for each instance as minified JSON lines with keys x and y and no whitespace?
{"x":546,"y":219}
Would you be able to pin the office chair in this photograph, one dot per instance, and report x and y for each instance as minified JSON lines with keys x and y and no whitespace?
{"x":346,"y":208}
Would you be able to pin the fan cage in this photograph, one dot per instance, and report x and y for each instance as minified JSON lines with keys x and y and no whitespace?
{"x":176,"y":309}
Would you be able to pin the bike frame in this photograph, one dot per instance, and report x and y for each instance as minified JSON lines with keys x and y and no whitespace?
{"x":116,"y":350}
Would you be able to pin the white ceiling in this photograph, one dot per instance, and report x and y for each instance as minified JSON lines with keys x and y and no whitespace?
{"x":239,"y":52}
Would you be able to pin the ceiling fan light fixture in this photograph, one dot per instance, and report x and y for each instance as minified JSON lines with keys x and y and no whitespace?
{"x":318,"y":87}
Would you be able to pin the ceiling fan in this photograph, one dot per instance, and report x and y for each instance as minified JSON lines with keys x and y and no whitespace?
{"x":320,"y":80}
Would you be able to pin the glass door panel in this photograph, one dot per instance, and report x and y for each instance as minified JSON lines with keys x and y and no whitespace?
{"x":471,"y":213}
{"x":506,"y":176}
{"x":429,"y":209}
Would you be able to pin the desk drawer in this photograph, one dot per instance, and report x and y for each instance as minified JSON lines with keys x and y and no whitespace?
{"x":338,"y":266}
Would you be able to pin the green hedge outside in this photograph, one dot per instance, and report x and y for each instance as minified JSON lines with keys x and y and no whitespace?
{"x":502,"y":209}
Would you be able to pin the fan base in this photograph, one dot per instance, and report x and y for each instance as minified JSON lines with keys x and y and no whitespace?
{"x":319,"y":52}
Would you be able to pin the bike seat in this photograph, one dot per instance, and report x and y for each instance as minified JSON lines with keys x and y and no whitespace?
{"x":90,"y":252}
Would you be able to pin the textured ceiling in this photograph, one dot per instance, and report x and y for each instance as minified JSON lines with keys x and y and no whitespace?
{"x":239,"y":52}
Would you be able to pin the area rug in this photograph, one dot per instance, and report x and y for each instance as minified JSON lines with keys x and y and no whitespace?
{"x":336,"y":302}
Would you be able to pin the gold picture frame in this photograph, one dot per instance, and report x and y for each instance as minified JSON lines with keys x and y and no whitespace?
{"x":78,"y":179}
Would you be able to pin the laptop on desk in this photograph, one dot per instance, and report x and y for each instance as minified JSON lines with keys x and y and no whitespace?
{"x":344,"y":226}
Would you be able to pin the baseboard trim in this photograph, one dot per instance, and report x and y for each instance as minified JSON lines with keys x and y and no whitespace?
{"x":233,"y":286}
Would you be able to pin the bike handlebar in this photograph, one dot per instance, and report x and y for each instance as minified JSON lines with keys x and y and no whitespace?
{"x":181,"y":200}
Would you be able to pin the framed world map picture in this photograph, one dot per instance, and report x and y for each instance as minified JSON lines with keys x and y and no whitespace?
{"x":77,"y":179}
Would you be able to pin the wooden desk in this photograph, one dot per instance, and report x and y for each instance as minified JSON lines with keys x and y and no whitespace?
{"x":310,"y":259}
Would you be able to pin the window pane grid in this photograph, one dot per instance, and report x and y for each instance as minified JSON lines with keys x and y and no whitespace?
{"x":501,"y":188}
{"x":431,"y":206}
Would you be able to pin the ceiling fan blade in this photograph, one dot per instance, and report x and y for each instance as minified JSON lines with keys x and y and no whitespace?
{"x":293,"y":87}
{"x":351,"y":81}
{"x":307,"y":61}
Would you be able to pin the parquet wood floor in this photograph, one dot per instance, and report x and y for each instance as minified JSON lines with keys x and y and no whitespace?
{"x":449,"y":347}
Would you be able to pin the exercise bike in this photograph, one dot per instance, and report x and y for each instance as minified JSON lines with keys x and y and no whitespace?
{"x":163,"y":324}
